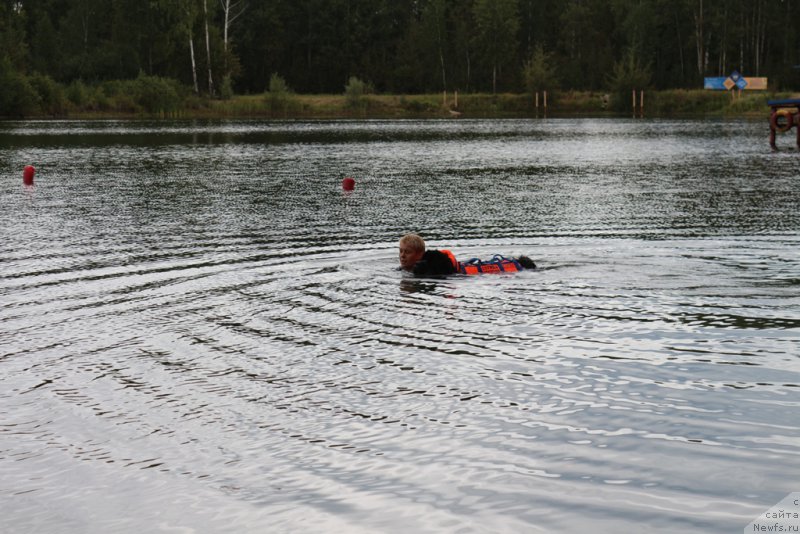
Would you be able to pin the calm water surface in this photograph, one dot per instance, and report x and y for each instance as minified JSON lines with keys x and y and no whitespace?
{"x":200,"y":332}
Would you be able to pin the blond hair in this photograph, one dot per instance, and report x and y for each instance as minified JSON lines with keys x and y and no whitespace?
{"x":414,"y":241}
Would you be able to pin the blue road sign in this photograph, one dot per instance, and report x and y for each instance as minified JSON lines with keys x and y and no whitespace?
{"x":715,"y":84}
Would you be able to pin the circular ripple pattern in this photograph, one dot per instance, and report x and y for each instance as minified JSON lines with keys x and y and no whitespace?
{"x":200,"y":330}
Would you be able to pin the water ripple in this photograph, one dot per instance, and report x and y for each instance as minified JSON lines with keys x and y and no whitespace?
{"x":221,"y":340}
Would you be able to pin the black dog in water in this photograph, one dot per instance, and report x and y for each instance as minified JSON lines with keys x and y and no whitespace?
{"x":414,"y":258}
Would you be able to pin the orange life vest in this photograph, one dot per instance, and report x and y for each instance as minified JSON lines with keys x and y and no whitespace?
{"x":452,"y":258}
{"x":498,"y":264}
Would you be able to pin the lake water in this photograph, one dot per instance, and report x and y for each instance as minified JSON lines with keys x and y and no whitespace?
{"x":201,"y":332}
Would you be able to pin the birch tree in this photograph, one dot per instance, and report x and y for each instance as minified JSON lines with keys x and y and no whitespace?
{"x":231,"y":10}
{"x":435,"y":22}
{"x":497,"y":23}
{"x":187,"y":11}
{"x":183,"y":14}
{"x":194,"y":62}
{"x":699,"y":19}
{"x":208,"y":49}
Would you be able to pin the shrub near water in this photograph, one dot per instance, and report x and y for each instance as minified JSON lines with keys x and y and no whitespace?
{"x":157,"y":95}
{"x":226,"y":89}
{"x":756,"y":102}
{"x":355,"y":93}
{"x":51,"y":95}
{"x":419,"y":104}
{"x":279,"y":96}
{"x":84,"y":97}
{"x":539,"y":72}
{"x":629,"y":75}
{"x":119,"y":97}
{"x":685,"y":101}
{"x":501,"y":103}
{"x":17,"y":97}
{"x":145,"y":94}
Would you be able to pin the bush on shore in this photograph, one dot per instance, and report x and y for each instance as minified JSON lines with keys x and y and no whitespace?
{"x":18,"y":98}
{"x":39,"y":95}
{"x":279,"y":98}
{"x":356,"y":92}
{"x":52,"y":101}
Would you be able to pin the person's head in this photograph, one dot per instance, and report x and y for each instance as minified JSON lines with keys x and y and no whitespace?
{"x":412,"y":247}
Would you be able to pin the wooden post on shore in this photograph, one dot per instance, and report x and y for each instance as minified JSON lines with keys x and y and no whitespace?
{"x":544,"y":102}
{"x":444,"y":98}
{"x":455,"y":104}
{"x":772,"y":131}
{"x":641,"y":102}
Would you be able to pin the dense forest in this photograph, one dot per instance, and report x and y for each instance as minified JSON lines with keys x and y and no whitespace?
{"x":218,"y":47}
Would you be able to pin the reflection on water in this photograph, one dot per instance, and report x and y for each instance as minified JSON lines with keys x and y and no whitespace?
{"x":200,"y":330}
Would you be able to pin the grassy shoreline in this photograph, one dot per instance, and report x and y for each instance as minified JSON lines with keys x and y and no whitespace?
{"x":667,"y":103}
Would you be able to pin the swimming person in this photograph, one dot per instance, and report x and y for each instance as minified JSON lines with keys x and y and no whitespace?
{"x":415,"y":258}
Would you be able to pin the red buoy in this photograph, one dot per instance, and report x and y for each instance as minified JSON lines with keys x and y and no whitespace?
{"x":27,"y":175}
{"x":348,"y":184}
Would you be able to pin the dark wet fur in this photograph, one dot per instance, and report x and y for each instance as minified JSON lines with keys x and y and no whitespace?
{"x":526,"y":262}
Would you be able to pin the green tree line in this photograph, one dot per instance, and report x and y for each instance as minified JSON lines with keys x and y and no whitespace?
{"x":218,"y":47}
